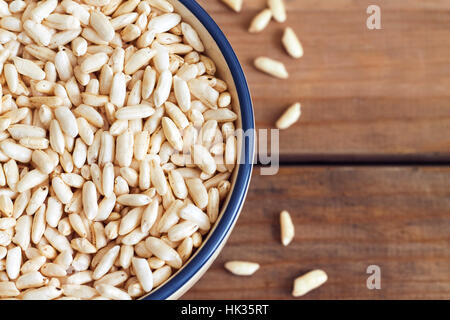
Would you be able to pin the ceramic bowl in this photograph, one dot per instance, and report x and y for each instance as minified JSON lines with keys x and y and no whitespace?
{"x":229,"y":69}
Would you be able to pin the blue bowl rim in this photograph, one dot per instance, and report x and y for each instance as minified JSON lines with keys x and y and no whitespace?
{"x":239,"y":191}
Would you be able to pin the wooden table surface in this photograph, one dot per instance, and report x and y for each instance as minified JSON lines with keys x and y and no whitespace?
{"x":364,"y":172}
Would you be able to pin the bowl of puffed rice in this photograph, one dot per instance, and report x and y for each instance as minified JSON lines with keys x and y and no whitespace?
{"x":126,"y":148}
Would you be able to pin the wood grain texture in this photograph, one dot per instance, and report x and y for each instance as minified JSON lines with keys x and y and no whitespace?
{"x":366,"y":95}
{"x":346,"y":219}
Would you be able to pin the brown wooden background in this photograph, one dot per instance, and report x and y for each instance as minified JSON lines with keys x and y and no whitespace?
{"x":364,"y":173}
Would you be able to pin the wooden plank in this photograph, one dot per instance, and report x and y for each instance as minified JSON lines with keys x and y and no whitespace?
{"x":366,"y":95}
{"x":346,"y":219}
